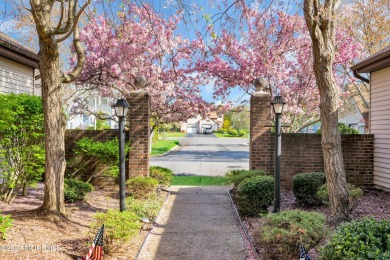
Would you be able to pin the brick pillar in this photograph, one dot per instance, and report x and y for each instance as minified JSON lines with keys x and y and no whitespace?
{"x":139,"y":127}
{"x":261,"y":144}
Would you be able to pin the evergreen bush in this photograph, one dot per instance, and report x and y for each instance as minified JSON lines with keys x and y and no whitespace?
{"x":254,"y":195}
{"x":233,"y":132}
{"x":75,"y":190}
{"x":142,"y":187}
{"x":163,"y":175}
{"x":305,"y":187}
{"x":365,"y":238}
{"x":282,"y":232}
{"x":22,"y":153}
{"x":90,"y":154}
{"x":237,"y":176}
{"x":242,"y":132}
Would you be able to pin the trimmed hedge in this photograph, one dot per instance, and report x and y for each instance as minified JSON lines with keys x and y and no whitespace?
{"x":237,"y":176}
{"x":142,"y":187}
{"x":282,"y":232}
{"x":164,"y":176}
{"x":75,"y":190}
{"x":365,"y":238}
{"x":254,"y":195}
{"x":305,"y":187}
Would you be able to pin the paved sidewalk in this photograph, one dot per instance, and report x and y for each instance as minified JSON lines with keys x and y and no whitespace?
{"x":196,"y":223}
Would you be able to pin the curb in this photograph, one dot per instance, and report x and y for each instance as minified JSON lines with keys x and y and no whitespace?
{"x":174,"y":149}
{"x":248,"y":238}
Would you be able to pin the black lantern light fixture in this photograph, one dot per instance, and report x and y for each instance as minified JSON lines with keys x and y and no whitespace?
{"x":121,"y":108}
{"x":277,"y":105}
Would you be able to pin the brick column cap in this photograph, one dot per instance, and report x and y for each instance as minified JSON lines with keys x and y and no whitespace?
{"x":139,"y":93}
{"x":261,"y":94}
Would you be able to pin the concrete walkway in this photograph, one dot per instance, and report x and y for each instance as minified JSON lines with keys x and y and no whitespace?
{"x":196,"y":223}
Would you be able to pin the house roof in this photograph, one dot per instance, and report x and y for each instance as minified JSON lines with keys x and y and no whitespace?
{"x":375,"y":62}
{"x":212,"y":115}
{"x":11,"y":49}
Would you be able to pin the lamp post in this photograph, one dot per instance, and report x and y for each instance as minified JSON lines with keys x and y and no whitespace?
{"x":121,"y":107}
{"x":277,"y":105}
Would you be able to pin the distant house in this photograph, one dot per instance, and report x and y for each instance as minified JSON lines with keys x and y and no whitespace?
{"x":18,"y":67}
{"x":85,"y":117}
{"x":378,"y":67}
{"x":199,"y":124}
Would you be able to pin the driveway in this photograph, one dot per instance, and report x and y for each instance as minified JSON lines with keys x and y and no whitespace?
{"x":206,"y":155}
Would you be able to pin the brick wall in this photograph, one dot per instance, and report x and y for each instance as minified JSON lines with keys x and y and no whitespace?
{"x":138,"y":120}
{"x":139,"y":127}
{"x":303,"y":152}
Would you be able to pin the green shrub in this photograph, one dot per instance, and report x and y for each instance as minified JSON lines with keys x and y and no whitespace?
{"x":22,"y":146}
{"x":145,"y":208}
{"x":119,"y":228}
{"x":231,"y":173}
{"x":221,"y":130}
{"x":282,"y":232}
{"x":354,"y":193}
{"x":164,"y":176}
{"x":254,"y":195}
{"x":5,"y":225}
{"x":75,"y":190}
{"x":236,"y":176}
{"x":142,"y":187}
{"x":305,"y":187}
{"x":343,"y":129}
{"x":232,"y":132}
{"x":365,"y":239}
{"x":111,"y":171}
{"x":242,"y":132}
{"x":90,"y":154}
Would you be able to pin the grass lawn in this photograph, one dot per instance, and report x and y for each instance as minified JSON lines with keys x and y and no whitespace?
{"x":163,"y":146}
{"x":200,"y":180}
{"x":172,"y":134}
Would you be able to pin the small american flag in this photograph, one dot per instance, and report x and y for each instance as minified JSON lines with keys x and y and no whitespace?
{"x":96,"y":250}
{"x":303,"y":255}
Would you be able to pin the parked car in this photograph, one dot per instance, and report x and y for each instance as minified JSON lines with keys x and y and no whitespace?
{"x":208,"y":131}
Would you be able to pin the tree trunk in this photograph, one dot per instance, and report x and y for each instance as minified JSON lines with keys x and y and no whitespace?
{"x":320,"y":22}
{"x":49,"y":67}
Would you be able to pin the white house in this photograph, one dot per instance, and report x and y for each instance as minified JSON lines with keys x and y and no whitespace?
{"x":18,"y":68}
{"x":200,"y":124}
{"x":84,"y":117}
{"x":378,"y":67}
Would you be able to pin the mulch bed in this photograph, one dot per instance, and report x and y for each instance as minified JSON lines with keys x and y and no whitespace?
{"x":36,"y":237}
{"x":374,"y":203}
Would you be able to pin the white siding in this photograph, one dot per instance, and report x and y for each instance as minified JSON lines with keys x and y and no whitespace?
{"x":15,"y":78}
{"x":380,"y":126}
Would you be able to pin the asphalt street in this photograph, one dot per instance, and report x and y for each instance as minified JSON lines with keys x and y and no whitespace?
{"x":206,"y":155}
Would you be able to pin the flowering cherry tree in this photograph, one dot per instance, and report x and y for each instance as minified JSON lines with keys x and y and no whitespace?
{"x":275,"y":46}
{"x":143,"y":43}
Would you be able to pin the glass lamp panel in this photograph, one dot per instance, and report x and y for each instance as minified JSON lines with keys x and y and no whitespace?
{"x":278,"y":108}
